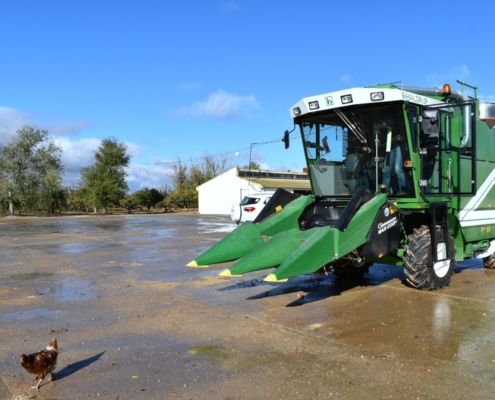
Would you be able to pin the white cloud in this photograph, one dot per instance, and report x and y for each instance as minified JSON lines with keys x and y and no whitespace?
{"x":77,"y":154}
{"x":221,"y":105}
{"x":346,"y":78}
{"x":68,"y":127}
{"x":191,"y":85}
{"x":231,"y":6}
{"x":11,"y":120}
{"x":486,"y":97}
{"x":458,"y":72}
{"x":156,"y":175}
{"x":134,"y":150}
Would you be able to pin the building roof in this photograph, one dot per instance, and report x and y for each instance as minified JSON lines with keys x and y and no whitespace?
{"x":297,"y":184}
{"x":276,"y":179}
{"x":255,"y":173}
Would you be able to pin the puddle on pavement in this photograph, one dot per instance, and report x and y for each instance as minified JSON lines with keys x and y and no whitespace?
{"x":67,"y":289}
{"x":209,"y":226}
{"x":70,"y":289}
{"x":26,"y":315}
{"x":165,"y":232}
{"x":112,"y":228}
{"x":86,"y":247}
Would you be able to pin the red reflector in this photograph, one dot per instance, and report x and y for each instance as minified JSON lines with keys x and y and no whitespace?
{"x":249,"y":209}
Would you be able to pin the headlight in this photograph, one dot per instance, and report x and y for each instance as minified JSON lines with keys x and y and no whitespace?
{"x":377,"y":96}
{"x":313,"y":105}
{"x":296,"y":111}
{"x":346,"y":99}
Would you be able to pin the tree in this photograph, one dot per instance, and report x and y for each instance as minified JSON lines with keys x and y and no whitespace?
{"x":105,"y":179}
{"x":180,"y":174}
{"x":148,"y":197}
{"x":184,"y":198}
{"x":52,"y":195}
{"x":253,"y":165}
{"x":30,"y":170}
{"x":198,"y":171}
{"x":77,"y":198}
{"x":166,"y":191}
{"x":129,"y":202}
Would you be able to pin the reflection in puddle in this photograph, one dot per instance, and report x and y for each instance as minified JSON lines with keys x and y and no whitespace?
{"x":109,"y":227}
{"x":70,"y":290}
{"x":22,"y":316}
{"x":165,"y":232}
{"x":208,"y":226}
{"x":442,"y":317}
{"x":67,"y":289}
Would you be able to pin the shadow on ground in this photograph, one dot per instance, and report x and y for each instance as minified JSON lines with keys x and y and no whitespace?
{"x":77,"y":366}
{"x":318,"y":287}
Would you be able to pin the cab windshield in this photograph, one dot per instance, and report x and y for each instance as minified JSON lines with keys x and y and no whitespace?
{"x":357,"y":146}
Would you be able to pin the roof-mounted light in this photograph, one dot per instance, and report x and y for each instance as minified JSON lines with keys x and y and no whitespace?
{"x":346,"y":99}
{"x":296,"y":111}
{"x":446,"y":90}
{"x":377,"y":96}
{"x":313,"y":105}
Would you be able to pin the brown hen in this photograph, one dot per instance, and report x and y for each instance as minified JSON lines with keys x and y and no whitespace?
{"x":41,"y":363}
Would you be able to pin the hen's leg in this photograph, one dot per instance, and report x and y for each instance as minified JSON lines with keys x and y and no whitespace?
{"x":37,"y":387}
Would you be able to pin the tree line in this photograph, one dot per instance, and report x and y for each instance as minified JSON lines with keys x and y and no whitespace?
{"x":31,"y":178}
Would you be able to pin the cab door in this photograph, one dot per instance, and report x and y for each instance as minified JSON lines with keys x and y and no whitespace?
{"x":447,"y":145}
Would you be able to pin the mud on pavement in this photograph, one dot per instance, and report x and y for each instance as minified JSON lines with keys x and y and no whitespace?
{"x":132,"y":322}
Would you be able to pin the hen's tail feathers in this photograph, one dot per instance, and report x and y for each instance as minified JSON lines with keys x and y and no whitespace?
{"x":53,"y":345}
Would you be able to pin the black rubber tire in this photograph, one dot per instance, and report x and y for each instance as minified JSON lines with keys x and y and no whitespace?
{"x":346,"y":270}
{"x":489,"y":262}
{"x":418,"y":262}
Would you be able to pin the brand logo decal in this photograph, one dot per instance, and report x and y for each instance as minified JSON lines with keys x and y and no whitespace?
{"x":385,"y":226}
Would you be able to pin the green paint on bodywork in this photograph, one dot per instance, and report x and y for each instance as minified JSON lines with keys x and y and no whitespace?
{"x":286,"y":219}
{"x":249,"y":236}
{"x":327,"y":244}
{"x":272,"y":253}
{"x":235,"y":245}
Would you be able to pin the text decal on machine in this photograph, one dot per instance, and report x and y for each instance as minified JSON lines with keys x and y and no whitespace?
{"x":415,"y":98}
{"x":383,"y":226}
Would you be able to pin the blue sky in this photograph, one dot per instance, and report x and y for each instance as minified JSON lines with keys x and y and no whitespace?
{"x":216,"y":76}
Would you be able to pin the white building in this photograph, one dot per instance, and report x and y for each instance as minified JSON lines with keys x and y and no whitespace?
{"x":218,"y":194}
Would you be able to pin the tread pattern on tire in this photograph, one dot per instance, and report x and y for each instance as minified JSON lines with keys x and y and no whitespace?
{"x":489,"y":262}
{"x":418,"y":260}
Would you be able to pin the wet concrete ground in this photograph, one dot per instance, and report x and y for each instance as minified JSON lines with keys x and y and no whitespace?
{"x":133,"y":323}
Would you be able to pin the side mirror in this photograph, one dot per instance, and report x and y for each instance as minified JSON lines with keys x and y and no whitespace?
{"x":286,"y":139}
{"x":431,"y":122}
{"x":326,"y":147}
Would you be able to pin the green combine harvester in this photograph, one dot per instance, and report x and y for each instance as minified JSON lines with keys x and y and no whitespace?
{"x":400,"y":175}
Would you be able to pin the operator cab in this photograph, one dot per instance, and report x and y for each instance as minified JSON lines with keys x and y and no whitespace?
{"x":361,"y":146}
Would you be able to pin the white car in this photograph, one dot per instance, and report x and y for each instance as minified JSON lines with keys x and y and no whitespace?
{"x":249,"y":208}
